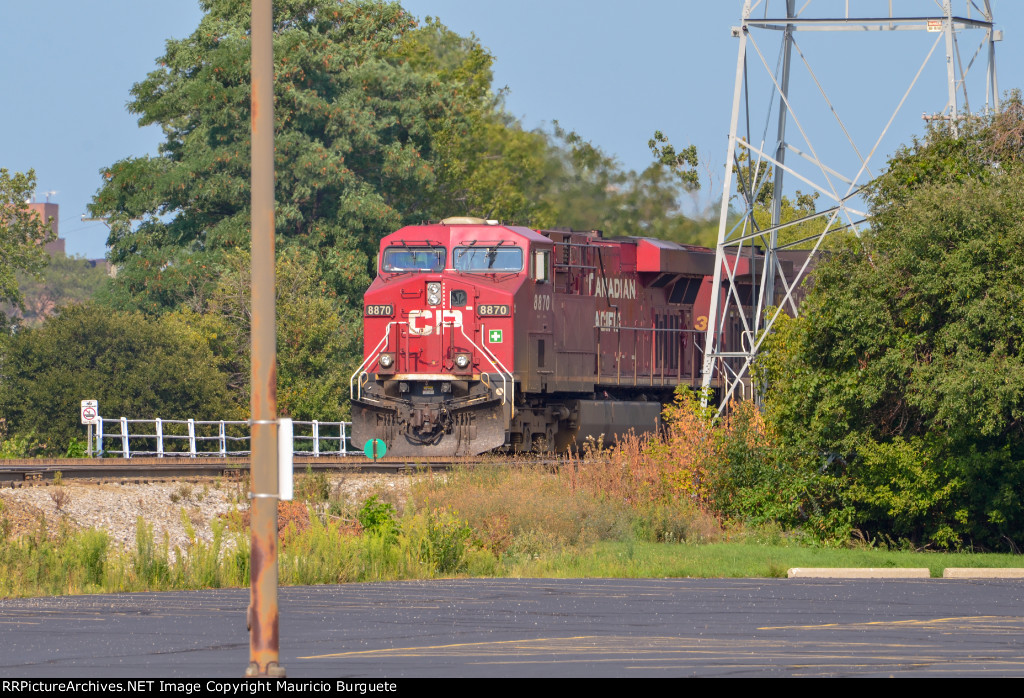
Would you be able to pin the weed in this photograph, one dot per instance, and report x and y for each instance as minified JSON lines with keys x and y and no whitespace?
{"x":336,"y":509}
{"x":313,"y":487}
{"x":377,"y":517}
{"x":195,"y":516}
{"x":150,"y":563}
{"x":293,"y":517}
{"x":441,"y":539}
{"x":676,"y":521}
{"x":183,"y":493}
{"x":61,"y":499}
{"x":76,"y":449}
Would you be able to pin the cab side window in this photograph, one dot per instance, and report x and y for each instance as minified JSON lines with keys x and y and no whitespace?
{"x":542,"y":265}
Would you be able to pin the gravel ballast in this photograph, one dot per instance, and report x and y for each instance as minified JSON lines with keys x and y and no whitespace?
{"x":167,"y":506}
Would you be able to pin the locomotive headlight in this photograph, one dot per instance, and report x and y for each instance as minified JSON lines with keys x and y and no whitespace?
{"x":462,"y":360}
{"x":386,"y":360}
{"x":433,"y":293}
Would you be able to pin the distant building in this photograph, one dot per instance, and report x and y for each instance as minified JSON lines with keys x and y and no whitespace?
{"x":50,"y":211}
{"x":46,"y":210}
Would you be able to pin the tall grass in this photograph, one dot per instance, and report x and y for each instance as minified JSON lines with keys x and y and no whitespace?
{"x":45,"y":562}
{"x":499,"y":519}
{"x":647,"y":507}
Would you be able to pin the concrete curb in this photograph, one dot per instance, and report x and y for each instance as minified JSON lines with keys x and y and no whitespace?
{"x":983,"y":573}
{"x":858,"y":572}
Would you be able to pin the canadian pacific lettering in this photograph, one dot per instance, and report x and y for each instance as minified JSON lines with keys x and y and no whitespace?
{"x":612,"y":288}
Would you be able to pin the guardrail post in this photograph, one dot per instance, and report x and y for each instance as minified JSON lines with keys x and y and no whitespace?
{"x":125,"y":450}
{"x":99,"y":438}
{"x":192,"y":436}
{"x":316,"y":439}
{"x":159,"y":437}
{"x":223,"y":440}
{"x":343,"y":446}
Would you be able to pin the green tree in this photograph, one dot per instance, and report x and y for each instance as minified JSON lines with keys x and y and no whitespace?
{"x":135,"y":367}
{"x":904,"y":381}
{"x":319,"y":341}
{"x":23,"y":233}
{"x":485,"y":163}
{"x":353,"y":147}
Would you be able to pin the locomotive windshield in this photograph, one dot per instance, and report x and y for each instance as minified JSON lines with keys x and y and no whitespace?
{"x":489,"y":259}
{"x":414,"y":259}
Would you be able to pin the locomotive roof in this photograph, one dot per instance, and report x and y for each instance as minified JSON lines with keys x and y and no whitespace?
{"x":653,"y":255}
{"x":486,"y":231}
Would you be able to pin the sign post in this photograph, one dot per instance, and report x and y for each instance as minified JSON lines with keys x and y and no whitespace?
{"x":375,"y":448}
{"x":90,"y":417}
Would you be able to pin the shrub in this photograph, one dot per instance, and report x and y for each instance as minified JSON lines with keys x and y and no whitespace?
{"x":377,"y":517}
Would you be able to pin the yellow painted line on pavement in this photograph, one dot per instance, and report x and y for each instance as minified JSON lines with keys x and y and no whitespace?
{"x":969,"y":620}
{"x":427,"y":648}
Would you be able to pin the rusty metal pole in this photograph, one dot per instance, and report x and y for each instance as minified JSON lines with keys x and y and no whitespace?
{"x":263,"y":610}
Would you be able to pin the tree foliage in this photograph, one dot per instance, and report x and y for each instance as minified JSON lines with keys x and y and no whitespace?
{"x":352,"y":147}
{"x":64,"y":281}
{"x":319,"y":341}
{"x":23,"y":234}
{"x":135,"y":367}
{"x":904,"y":380}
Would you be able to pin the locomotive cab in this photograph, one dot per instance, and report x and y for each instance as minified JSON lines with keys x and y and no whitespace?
{"x":439,"y":335}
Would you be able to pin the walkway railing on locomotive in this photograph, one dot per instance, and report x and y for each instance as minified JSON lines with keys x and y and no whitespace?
{"x":666,"y":363}
{"x":190,"y":438}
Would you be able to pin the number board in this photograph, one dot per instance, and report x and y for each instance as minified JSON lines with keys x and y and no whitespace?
{"x":492,"y":310}
{"x":380,"y":310}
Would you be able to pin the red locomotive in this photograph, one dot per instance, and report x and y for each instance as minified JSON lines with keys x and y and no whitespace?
{"x":481,"y":336}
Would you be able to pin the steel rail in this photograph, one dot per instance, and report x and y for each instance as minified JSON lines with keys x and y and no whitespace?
{"x":18,"y":472}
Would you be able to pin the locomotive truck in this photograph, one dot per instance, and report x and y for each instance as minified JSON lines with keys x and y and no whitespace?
{"x":482,"y":336}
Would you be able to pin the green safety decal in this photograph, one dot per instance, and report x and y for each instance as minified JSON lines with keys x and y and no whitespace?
{"x":494,"y":336}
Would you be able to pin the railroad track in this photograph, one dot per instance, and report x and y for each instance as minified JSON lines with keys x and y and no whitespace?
{"x":20,"y":472}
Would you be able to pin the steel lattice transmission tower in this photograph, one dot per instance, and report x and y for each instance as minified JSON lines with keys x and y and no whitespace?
{"x":787,"y":136}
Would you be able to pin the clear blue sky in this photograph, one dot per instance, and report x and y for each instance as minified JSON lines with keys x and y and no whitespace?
{"x":613,"y":71}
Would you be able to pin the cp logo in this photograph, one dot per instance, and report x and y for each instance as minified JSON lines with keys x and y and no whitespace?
{"x":450,"y":318}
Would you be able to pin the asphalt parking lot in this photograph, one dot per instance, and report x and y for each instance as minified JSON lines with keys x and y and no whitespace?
{"x":530,"y":627}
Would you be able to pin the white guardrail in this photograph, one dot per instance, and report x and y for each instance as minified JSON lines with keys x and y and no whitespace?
{"x":189,"y":438}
